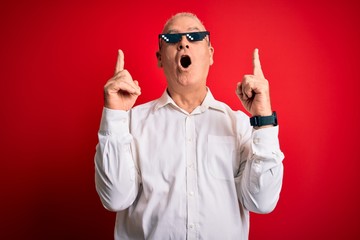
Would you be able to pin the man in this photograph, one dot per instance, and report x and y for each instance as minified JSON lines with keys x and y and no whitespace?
{"x":185,"y":166}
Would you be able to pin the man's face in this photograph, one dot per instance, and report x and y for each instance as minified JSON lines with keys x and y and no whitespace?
{"x":185,"y":63}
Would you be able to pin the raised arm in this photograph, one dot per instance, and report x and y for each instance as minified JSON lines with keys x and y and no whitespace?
{"x":116,"y":175}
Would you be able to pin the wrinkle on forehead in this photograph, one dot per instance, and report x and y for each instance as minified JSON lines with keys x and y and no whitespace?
{"x":190,"y":29}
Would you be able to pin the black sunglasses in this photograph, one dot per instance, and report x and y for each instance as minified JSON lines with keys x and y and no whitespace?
{"x":191,"y":36}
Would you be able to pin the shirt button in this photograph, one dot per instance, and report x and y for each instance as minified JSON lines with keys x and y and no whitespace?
{"x":191,"y":226}
{"x":191,"y":193}
{"x":256,"y":140}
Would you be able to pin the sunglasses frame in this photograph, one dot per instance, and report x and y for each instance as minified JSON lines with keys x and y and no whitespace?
{"x":176,"y":37}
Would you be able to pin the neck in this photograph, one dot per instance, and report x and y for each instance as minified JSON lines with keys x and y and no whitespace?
{"x":188,"y":99}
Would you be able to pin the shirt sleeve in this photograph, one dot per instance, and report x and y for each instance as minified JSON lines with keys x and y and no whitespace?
{"x":116,"y":177}
{"x":260,"y":180}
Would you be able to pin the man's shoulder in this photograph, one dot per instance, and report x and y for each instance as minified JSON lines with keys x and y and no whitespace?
{"x":230,"y":111}
{"x":145,"y":106}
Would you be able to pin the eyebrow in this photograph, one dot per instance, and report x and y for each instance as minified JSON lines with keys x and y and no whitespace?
{"x":170,"y":31}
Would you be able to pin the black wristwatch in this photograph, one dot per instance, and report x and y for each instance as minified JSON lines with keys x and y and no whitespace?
{"x":258,"y":121}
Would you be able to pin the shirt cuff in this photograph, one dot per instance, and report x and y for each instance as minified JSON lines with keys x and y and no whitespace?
{"x":265,"y":140}
{"x":114,"y":121}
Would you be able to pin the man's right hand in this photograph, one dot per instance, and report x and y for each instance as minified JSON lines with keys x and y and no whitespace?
{"x":121,"y":91}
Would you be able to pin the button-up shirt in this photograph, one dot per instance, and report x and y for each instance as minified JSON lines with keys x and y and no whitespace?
{"x":170,"y":174}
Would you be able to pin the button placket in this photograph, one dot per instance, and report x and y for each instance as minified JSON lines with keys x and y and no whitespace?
{"x":191,"y":178}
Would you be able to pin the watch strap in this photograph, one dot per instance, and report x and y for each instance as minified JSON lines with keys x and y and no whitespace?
{"x":258,"y":121}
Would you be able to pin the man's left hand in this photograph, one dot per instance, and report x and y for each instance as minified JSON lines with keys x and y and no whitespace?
{"x":254,"y":92}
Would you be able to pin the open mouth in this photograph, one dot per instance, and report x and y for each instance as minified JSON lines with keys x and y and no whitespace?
{"x":185,"y":61}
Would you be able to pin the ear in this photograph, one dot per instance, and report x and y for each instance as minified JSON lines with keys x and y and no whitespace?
{"x":211,"y":52}
{"x":158,"y":56}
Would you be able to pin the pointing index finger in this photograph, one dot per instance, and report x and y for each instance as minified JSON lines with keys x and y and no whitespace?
{"x":120,"y":62}
{"x":256,"y":63}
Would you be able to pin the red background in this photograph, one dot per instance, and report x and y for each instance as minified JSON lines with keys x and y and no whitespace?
{"x":57,"y":55}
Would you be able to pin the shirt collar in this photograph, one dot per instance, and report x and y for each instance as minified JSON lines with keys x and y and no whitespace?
{"x":209,"y":102}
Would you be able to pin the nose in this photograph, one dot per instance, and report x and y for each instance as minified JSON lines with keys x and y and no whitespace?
{"x":183,"y":43}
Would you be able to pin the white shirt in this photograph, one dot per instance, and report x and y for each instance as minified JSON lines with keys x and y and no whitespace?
{"x":173,"y":175}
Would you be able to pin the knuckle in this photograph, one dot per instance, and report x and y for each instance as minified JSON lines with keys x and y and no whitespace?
{"x":247,"y":77}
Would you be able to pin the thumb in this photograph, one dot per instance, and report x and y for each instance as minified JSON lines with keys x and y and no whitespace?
{"x":256,"y":63}
{"x":120,"y":62}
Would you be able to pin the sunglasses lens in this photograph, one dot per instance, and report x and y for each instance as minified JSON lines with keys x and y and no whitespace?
{"x":196,"y":36}
{"x":171,"y":38}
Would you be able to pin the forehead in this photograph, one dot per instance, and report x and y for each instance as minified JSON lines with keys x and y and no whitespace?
{"x":183,"y":24}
